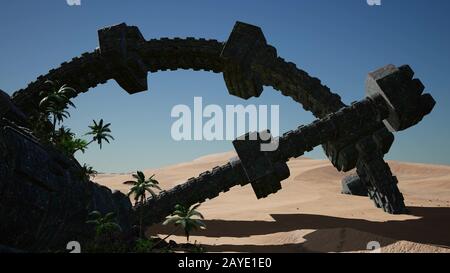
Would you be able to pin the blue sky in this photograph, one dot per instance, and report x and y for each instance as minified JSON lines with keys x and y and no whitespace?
{"x":337,"y":41}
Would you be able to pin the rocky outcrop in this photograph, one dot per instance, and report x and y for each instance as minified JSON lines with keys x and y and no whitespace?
{"x":44,"y":196}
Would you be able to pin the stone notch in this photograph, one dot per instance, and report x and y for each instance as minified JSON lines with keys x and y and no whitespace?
{"x":239,"y":52}
{"x":264,"y":174}
{"x":10,"y":111}
{"x":120,"y":44}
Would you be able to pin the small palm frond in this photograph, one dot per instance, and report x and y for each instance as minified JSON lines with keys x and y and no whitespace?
{"x":93,"y":222}
{"x":195,"y":213}
{"x":140,"y":175}
{"x":171,"y":220}
{"x":198,"y":223}
{"x":110,"y":216}
{"x":95,"y":214}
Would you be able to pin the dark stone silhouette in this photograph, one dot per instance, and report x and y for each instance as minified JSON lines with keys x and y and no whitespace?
{"x":44,"y":197}
{"x":256,"y":167}
{"x":46,"y":202}
{"x":353,"y":185}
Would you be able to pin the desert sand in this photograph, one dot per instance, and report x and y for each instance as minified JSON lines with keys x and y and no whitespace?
{"x":310,"y":214}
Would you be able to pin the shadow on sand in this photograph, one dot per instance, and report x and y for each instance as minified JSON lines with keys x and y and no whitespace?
{"x":433,"y":227}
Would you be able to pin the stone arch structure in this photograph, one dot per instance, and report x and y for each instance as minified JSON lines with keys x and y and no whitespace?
{"x":246,"y":60}
{"x":247,"y":63}
{"x":59,"y":199}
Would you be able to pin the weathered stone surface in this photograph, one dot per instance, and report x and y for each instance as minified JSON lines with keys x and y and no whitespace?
{"x":264,"y":174}
{"x":381,"y":185}
{"x":240,"y":51}
{"x":403,"y":95}
{"x":44,"y":199}
{"x":10,"y":111}
{"x":257,"y":167}
{"x":119,"y":44}
{"x":246,"y":60}
{"x":207,"y":185}
{"x":353,"y":185}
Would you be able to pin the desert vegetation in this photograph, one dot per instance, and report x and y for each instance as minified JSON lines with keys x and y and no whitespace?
{"x":140,"y":187}
{"x":47,"y":125}
{"x":108,"y":236}
{"x":189,"y":219}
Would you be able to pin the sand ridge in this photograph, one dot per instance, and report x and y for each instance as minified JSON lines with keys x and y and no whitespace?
{"x":310,"y":215}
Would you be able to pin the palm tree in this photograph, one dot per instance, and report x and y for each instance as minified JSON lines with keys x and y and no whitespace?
{"x":63,"y":131}
{"x":188,"y":218}
{"x":56,"y":101}
{"x":72,"y":145}
{"x":104,"y":225}
{"x":58,"y":111}
{"x":88,"y":171}
{"x":100,"y":132}
{"x":79,"y":144}
{"x":140,"y":187}
{"x":67,"y":142}
{"x":57,"y":94}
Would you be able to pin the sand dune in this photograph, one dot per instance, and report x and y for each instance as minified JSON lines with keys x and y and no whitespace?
{"x":310,"y":215}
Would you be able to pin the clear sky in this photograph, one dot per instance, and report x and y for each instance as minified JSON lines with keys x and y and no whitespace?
{"x":337,"y":41}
